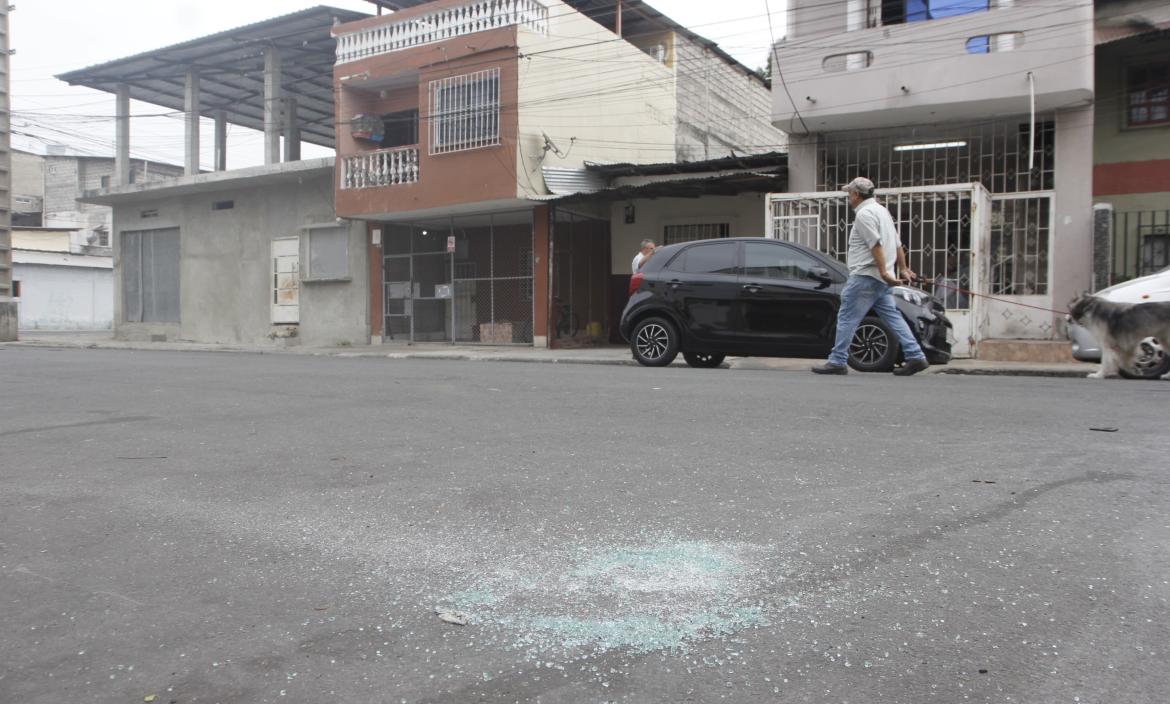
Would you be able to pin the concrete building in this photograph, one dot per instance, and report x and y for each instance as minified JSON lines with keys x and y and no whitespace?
{"x":451,"y":112}
{"x":247,"y":255}
{"x":1131,"y":139}
{"x":7,"y":304}
{"x":434,"y":222}
{"x":62,"y":257}
{"x":977,"y":118}
{"x":59,"y":285}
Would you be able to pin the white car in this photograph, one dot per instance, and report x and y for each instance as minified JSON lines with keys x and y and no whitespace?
{"x":1153,"y":359}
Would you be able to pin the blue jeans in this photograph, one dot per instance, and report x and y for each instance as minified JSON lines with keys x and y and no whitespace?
{"x":861,"y":295}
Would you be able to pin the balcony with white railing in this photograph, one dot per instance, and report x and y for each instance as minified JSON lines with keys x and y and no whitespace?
{"x":966,"y":67}
{"x":440,"y":25}
{"x":377,"y":169}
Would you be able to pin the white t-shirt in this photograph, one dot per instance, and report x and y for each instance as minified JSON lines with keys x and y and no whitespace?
{"x":637,"y":262}
{"x":872,"y":225}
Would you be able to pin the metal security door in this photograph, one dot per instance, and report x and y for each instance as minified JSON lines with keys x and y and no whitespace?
{"x":944,"y":230}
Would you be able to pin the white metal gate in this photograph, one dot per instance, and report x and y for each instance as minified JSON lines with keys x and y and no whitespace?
{"x":946,"y":231}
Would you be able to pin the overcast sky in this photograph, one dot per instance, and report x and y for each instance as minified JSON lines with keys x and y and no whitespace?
{"x":55,"y":37}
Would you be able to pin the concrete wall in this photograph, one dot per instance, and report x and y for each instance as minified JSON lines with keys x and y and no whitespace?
{"x":28,"y":174}
{"x":617,"y":102}
{"x":720,"y":108}
{"x":922,"y":71}
{"x":64,"y":297}
{"x":226,"y":268}
{"x":746,"y":213}
{"x":66,"y":178}
{"x":42,"y":240}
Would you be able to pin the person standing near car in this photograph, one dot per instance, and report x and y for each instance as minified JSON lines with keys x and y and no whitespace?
{"x":646,"y":249}
{"x":874,"y":251}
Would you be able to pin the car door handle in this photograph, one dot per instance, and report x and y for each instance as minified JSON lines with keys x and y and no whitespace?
{"x":751,"y":288}
{"x":674,"y":283}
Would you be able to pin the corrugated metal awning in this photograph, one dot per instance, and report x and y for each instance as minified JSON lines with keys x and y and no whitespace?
{"x":561,"y":181}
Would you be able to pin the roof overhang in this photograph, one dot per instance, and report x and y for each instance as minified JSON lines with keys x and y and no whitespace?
{"x":732,"y":184}
{"x":1115,"y":20}
{"x":231,"y":69}
{"x":212,"y":182}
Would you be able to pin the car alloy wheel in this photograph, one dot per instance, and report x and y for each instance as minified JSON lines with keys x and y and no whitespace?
{"x":1151,"y":361}
{"x":873,"y":348}
{"x":655,"y":343}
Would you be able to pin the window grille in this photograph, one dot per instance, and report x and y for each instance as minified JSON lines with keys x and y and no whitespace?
{"x":1149,"y":95}
{"x":995,"y":155}
{"x":674,"y":234}
{"x":465,"y":112}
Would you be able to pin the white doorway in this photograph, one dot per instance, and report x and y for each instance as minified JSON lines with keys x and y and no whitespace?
{"x":286,"y":283}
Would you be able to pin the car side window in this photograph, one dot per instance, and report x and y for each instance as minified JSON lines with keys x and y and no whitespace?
{"x":718,"y":258}
{"x":768,"y":260}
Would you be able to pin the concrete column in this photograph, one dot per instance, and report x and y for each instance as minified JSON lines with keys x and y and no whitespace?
{"x":802,"y":164}
{"x":220,"y":140}
{"x":1071,"y":247}
{"x":541,"y":273}
{"x":122,"y":135}
{"x":292,"y":131}
{"x":272,"y":121}
{"x":1102,"y":245}
{"x":191,"y":123}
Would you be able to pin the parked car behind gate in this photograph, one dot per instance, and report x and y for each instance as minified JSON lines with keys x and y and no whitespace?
{"x":752,"y":296}
{"x":1153,"y":358}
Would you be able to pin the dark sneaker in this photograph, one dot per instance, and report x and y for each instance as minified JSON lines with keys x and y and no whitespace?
{"x":830,"y":369}
{"x":912,"y":366}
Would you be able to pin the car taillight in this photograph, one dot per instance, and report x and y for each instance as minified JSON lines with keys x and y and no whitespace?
{"x":636,"y":283}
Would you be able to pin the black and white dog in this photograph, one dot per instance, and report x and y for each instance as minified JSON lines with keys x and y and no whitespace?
{"x":1121,"y":328}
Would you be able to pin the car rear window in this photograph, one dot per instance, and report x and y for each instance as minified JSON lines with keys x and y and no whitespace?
{"x":718,"y":258}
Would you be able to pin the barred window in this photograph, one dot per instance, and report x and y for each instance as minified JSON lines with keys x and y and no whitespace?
{"x":1149,"y":95}
{"x":465,"y":112}
{"x":673,"y":234}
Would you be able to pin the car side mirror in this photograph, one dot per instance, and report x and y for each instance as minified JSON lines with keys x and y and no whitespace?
{"x":820,"y":273}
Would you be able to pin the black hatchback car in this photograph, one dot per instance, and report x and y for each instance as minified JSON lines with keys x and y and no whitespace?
{"x":759,"y":297}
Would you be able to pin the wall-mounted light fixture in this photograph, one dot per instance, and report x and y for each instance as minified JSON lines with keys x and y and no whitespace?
{"x":631,"y":214}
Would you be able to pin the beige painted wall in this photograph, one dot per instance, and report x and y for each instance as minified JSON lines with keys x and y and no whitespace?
{"x":616,"y":101}
{"x":744,"y":212}
{"x":41,"y":240}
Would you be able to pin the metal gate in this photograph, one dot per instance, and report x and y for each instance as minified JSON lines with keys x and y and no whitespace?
{"x":946,"y":231}
{"x":1020,"y":267}
{"x":464,"y":279}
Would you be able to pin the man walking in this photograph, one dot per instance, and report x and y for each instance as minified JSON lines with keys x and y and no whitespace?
{"x":874,"y":249}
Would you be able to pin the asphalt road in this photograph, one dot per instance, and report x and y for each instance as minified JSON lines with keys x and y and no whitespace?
{"x":250,"y":528}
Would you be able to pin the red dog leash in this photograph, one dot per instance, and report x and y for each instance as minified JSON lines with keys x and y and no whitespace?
{"x":991,"y":298}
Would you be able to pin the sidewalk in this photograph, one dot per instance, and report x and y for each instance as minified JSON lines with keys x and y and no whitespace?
{"x":480,"y":353}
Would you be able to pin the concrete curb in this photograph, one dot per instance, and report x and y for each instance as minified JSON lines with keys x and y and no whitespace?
{"x":960,"y":368}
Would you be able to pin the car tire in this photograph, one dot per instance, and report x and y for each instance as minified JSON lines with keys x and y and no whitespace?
{"x":1152,"y":361}
{"x":874,"y":347}
{"x":654,"y":342}
{"x":699,"y":360}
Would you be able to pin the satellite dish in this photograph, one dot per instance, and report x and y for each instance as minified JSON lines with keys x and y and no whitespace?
{"x":551,"y":146}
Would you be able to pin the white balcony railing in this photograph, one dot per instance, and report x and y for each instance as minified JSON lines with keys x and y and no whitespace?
{"x":385,"y":167}
{"x":441,"y":25}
